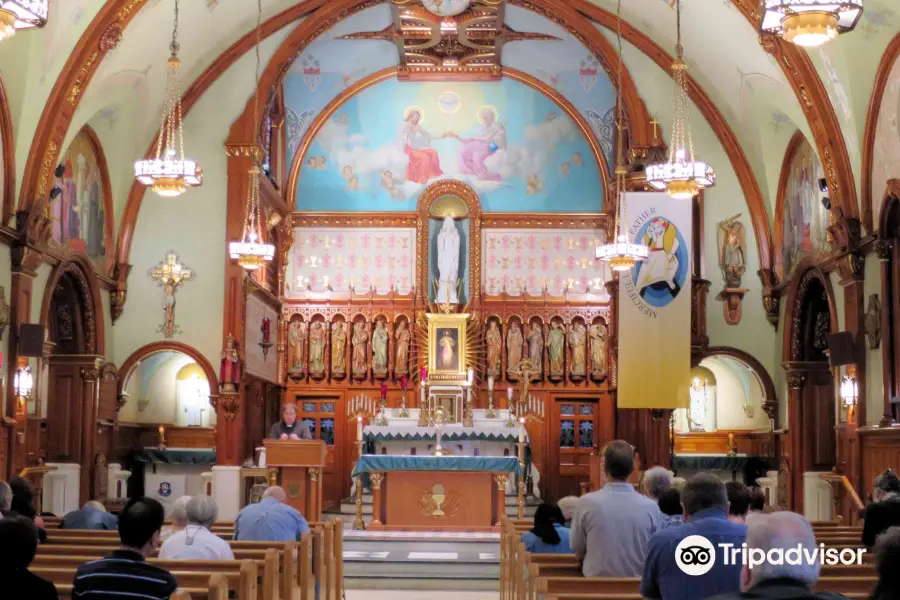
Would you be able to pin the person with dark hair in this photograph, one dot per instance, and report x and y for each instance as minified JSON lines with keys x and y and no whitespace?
{"x":887,"y":557}
{"x":23,"y":505}
{"x":705,"y":503}
{"x":18,"y":545}
{"x":126,"y":572}
{"x":549,"y":535}
{"x":738,"y":501}
{"x":670,"y":505}
{"x":757,"y":500}
{"x":612,"y":526}
{"x":884,"y":512}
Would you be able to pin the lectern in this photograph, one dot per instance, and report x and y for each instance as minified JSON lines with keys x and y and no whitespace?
{"x":297,"y":466}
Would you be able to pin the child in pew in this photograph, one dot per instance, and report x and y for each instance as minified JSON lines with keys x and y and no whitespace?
{"x":18,"y":545}
{"x":549,"y":535}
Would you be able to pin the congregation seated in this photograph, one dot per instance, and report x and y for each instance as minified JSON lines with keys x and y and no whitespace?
{"x":738,"y":501}
{"x":126,"y":573}
{"x":884,"y":512}
{"x":5,"y":499}
{"x":706,"y":513}
{"x":657,"y":482}
{"x":196,"y":541}
{"x":757,"y":500}
{"x":779,"y":531}
{"x":270,"y":520}
{"x":178,"y":517}
{"x":612,"y":526}
{"x":18,"y":545}
{"x":23,"y":504}
{"x":549,"y":534}
{"x":567,"y":506}
{"x":887,"y":557}
{"x":670,"y":505}
{"x":92,"y":515}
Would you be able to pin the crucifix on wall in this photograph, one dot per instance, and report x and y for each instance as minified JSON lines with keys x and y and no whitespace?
{"x":170,"y":274}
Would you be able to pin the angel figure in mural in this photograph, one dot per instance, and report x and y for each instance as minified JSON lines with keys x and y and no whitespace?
{"x":230,"y":366}
{"x":535,"y":348}
{"x":493,"y":340}
{"x":317,"y":333}
{"x":598,"y":350}
{"x":401,"y":360}
{"x":556,"y":343}
{"x":424,"y":162}
{"x":380,"y":348}
{"x":514,"y":343}
{"x":297,"y":334}
{"x":732,"y":250}
{"x":487,"y":140}
{"x":448,"y":262}
{"x":338,"y":347}
{"x":577,"y":338}
{"x":360,"y":346}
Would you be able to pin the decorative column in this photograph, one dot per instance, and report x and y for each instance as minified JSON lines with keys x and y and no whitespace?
{"x":90,"y":397}
{"x":884,"y":251}
{"x":315,"y":495}
{"x":501,"y":479}
{"x":376,"y":479}
{"x":796,"y":382}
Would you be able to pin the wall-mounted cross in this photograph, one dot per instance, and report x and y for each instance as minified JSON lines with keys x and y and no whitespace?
{"x":170,"y":274}
{"x":655,"y":123}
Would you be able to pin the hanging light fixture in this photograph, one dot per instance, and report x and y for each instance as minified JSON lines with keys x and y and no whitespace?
{"x":21,"y":14}
{"x":251,"y":252}
{"x":621,"y":253}
{"x":170,"y":173}
{"x":681,"y":176}
{"x":849,"y":390}
{"x":810,"y":22}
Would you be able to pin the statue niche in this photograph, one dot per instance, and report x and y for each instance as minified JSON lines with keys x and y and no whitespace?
{"x":448,"y":251}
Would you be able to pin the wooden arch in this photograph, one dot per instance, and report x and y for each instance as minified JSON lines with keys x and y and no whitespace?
{"x":889,"y":257}
{"x":868,"y":147}
{"x":806,"y":273}
{"x":144,"y":351}
{"x":765,"y":379}
{"x":8,"y":151}
{"x":80,"y":268}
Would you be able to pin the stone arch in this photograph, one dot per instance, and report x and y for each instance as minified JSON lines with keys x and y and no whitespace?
{"x":135,"y":357}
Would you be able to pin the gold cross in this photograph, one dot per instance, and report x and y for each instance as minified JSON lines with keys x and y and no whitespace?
{"x":170,"y":271}
{"x":655,"y":124}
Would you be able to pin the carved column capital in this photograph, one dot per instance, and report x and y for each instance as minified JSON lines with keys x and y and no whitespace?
{"x":796,"y":381}
{"x":501,"y":479}
{"x":771,"y":302}
{"x":90,"y":373}
{"x":884,"y":249}
{"x":230,"y":403}
{"x":314,"y":476}
{"x":375,"y":479}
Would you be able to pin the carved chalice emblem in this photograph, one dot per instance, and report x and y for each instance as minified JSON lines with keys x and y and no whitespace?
{"x":436,"y":503}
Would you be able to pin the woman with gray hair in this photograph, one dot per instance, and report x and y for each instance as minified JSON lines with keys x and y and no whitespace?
{"x":178,"y":517}
{"x":196,"y":541}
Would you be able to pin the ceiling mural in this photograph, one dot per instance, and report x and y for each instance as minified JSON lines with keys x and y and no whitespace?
{"x":516,"y":147}
{"x":805,"y":217}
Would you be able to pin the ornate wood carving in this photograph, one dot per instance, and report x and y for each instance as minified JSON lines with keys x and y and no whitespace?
{"x":796,"y":381}
{"x":119,"y":295}
{"x":731,"y":299}
{"x":82,"y":273}
{"x":873,"y":322}
{"x":771,"y":301}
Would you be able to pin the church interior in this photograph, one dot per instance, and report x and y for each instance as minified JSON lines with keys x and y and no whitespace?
{"x":468,"y":243}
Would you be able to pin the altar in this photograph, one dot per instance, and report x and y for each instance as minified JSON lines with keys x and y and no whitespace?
{"x":437,"y":493}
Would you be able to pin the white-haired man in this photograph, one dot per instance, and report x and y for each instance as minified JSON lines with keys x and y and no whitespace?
{"x":770,"y":581}
{"x":196,"y":541}
{"x":270,"y":520}
{"x":656,"y":482}
{"x":92,"y":515}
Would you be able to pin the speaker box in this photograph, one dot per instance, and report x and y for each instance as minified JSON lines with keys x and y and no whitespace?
{"x":31,"y":339}
{"x":841,"y":349}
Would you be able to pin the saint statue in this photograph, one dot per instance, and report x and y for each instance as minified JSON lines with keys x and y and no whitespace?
{"x":514,"y":343}
{"x":230,"y":367}
{"x":576,"y":347}
{"x":598,"y":350}
{"x":732,"y":249}
{"x":380,"y":348}
{"x":448,"y":262}
{"x":360,"y":348}
{"x":401,"y":360}
{"x":317,"y":333}
{"x":557,"y":340}
{"x":536,"y":348}
{"x":493,"y":340}
{"x":338,"y":348}
{"x":297,"y":333}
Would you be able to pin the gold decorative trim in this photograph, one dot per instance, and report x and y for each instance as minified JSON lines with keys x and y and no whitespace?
{"x":354,"y":219}
{"x":250,"y":150}
{"x":47,"y":167}
{"x":544,"y":221}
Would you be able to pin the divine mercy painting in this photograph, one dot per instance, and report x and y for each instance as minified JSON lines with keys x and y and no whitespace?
{"x":80,"y":211}
{"x":805,"y":219}
{"x":447,"y":349}
{"x":515,"y":146}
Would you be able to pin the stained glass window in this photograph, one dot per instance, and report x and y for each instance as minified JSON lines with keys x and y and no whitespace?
{"x":328,"y":407}
{"x":309,"y":407}
{"x":567,"y":434}
{"x":326,"y":431}
{"x":585,"y":434}
{"x":567,"y":409}
{"x":586,"y":409}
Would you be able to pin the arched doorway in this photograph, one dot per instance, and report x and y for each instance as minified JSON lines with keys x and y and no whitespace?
{"x":811,"y":317}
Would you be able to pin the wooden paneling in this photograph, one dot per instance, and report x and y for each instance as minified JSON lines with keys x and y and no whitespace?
{"x":880,"y":451}
{"x":751,"y":443}
{"x":648,"y":431}
{"x":35,"y":440}
{"x":467,"y":501}
{"x":64,"y":413}
{"x":109,"y":380}
{"x":146,"y":435}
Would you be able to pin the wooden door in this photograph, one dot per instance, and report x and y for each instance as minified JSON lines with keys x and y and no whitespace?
{"x":574,"y":433}
{"x":64,"y":412}
{"x":320,"y":415}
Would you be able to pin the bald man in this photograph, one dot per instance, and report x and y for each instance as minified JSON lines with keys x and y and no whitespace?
{"x":270,"y":520}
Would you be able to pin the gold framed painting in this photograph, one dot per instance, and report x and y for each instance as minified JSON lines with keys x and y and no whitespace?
{"x":447,"y":347}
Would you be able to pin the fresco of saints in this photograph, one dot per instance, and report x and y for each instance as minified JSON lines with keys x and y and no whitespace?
{"x":487,"y":140}
{"x":424,"y":162}
{"x":662,"y":264}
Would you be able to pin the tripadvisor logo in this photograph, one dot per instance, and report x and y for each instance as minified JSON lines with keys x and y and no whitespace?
{"x":696,"y":555}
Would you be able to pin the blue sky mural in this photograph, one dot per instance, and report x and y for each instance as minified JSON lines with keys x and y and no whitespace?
{"x":512,"y":144}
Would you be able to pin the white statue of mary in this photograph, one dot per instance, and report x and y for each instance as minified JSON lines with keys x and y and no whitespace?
{"x":448,"y":262}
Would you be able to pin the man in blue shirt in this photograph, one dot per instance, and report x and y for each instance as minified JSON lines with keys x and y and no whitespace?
{"x":706,"y":511}
{"x":92,"y":515}
{"x":270,"y":520}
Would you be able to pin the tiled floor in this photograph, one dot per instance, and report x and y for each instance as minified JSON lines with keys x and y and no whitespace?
{"x":418,"y":595}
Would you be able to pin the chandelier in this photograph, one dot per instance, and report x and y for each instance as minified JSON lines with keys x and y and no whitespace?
{"x":810,"y":22}
{"x":170,"y":174}
{"x":621,"y":253}
{"x":681,"y":176}
{"x":21,"y":14}
{"x":251,"y":252}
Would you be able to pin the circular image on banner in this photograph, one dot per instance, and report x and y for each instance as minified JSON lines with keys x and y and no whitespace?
{"x":659,"y":279}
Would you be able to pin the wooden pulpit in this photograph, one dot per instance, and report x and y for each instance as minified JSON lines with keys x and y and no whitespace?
{"x":297,"y":466}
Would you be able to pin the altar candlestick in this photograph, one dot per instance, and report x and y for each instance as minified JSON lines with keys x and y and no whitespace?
{"x":521,"y":429}
{"x":509,"y":394}
{"x":490,"y":383}
{"x":470,"y":377}
{"x":359,"y":428}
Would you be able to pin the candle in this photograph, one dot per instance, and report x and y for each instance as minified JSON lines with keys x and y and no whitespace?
{"x":404,"y":381}
{"x":359,"y":428}
{"x":423,"y":373}
{"x":471,"y":375}
{"x":383,"y":391}
{"x":491,"y":383}
{"x":509,"y":392}
{"x":522,"y":429}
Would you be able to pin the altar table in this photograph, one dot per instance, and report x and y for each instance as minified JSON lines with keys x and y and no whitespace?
{"x":437,"y":493}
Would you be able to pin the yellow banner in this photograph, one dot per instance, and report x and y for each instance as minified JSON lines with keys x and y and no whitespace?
{"x":654,"y":363}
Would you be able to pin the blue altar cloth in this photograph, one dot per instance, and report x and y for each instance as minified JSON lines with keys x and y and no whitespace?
{"x":384,"y":462}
